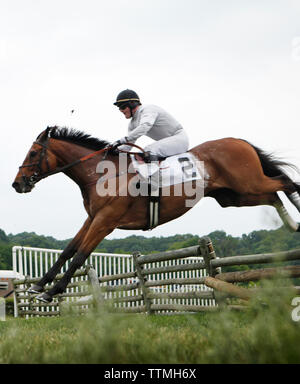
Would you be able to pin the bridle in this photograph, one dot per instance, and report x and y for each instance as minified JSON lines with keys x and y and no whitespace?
{"x":39,"y":175}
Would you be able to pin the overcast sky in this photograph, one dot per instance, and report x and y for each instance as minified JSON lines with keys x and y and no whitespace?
{"x":222,"y":68}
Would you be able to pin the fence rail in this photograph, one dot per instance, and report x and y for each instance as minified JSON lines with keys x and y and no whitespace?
{"x":188,"y":279}
{"x":173,"y":278}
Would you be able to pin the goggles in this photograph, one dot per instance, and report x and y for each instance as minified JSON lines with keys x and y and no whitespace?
{"x":123,"y":106}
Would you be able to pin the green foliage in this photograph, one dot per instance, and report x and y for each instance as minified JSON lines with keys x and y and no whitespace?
{"x":3,"y":237}
{"x":225,"y":245}
{"x":5,"y":257}
{"x":31,"y":239}
{"x":264,"y":334}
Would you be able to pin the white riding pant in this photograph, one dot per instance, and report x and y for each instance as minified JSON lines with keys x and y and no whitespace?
{"x":170,"y":146}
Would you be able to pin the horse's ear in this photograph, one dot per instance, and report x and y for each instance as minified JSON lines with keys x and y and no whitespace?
{"x":44,"y":135}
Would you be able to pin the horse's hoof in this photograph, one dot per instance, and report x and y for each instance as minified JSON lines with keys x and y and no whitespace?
{"x":44,"y":297}
{"x":35,"y":289}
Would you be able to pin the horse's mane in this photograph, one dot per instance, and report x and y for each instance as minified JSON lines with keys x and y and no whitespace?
{"x":77,"y":137}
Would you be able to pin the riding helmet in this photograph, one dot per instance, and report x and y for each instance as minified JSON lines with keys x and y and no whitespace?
{"x":127,"y":97}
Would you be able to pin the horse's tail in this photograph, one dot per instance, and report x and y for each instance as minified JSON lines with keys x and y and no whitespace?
{"x":274,"y":167}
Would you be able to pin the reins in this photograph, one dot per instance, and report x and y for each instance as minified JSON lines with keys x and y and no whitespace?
{"x":39,"y":176}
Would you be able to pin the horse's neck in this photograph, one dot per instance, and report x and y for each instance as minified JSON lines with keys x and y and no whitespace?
{"x":82,"y":174}
{"x":67,"y":152}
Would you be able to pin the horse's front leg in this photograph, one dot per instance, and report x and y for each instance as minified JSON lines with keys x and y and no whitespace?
{"x":103,"y":224}
{"x":68,"y":252}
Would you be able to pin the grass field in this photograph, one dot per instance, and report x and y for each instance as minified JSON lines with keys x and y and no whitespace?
{"x":266,"y":333}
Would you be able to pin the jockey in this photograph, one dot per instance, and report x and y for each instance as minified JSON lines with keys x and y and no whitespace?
{"x":154,"y":122}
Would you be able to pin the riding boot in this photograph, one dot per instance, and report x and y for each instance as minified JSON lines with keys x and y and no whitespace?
{"x":149,"y":168}
{"x":149,"y":157}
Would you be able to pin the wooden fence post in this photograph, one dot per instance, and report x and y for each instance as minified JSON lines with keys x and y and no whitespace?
{"x":95,"y":286}
{"x":208,"y":253}
{"x":30,"y":297}
{"x":142,"y":280}
{"x":59,"y":304}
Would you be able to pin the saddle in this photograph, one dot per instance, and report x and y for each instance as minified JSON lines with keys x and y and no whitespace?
{"x":158,"y":172}
{"x":147,"y":157}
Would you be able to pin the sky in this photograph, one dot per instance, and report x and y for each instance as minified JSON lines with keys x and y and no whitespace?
{"x":221,"y":68}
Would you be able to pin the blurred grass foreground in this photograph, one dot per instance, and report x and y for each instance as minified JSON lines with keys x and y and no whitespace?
{"x":267,"y":332}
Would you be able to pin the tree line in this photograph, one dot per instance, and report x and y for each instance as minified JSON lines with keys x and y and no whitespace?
{"x":263,"y":241}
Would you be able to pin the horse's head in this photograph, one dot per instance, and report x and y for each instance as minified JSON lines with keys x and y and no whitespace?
{"x":38,"y":163}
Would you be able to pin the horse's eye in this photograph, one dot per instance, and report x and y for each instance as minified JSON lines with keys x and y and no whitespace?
{"x":32,"y":154}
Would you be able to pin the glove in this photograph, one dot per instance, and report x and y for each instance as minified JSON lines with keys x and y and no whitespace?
{"x":123,"y":140}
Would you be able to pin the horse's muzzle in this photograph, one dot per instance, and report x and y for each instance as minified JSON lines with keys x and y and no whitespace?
{"x":22,"y":187}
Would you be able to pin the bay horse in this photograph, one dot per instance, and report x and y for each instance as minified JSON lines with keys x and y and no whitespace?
{"x":236,"y":174}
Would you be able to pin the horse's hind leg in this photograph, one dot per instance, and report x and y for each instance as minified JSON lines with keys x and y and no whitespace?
{"x":293,"y":195}
{"x":289,"y":222}
{"x":263,"y":188}
{"x":227,"y":198}
{"x":291,"y":190}
{"x":274,"y":200}
{"x":295,"y":199}
{"x":68,"y":252}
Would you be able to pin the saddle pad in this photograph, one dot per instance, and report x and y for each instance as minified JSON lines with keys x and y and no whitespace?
{"x":174,"y":169}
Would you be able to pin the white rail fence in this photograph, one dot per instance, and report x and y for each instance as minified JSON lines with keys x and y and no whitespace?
{"x":35,"y":262}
